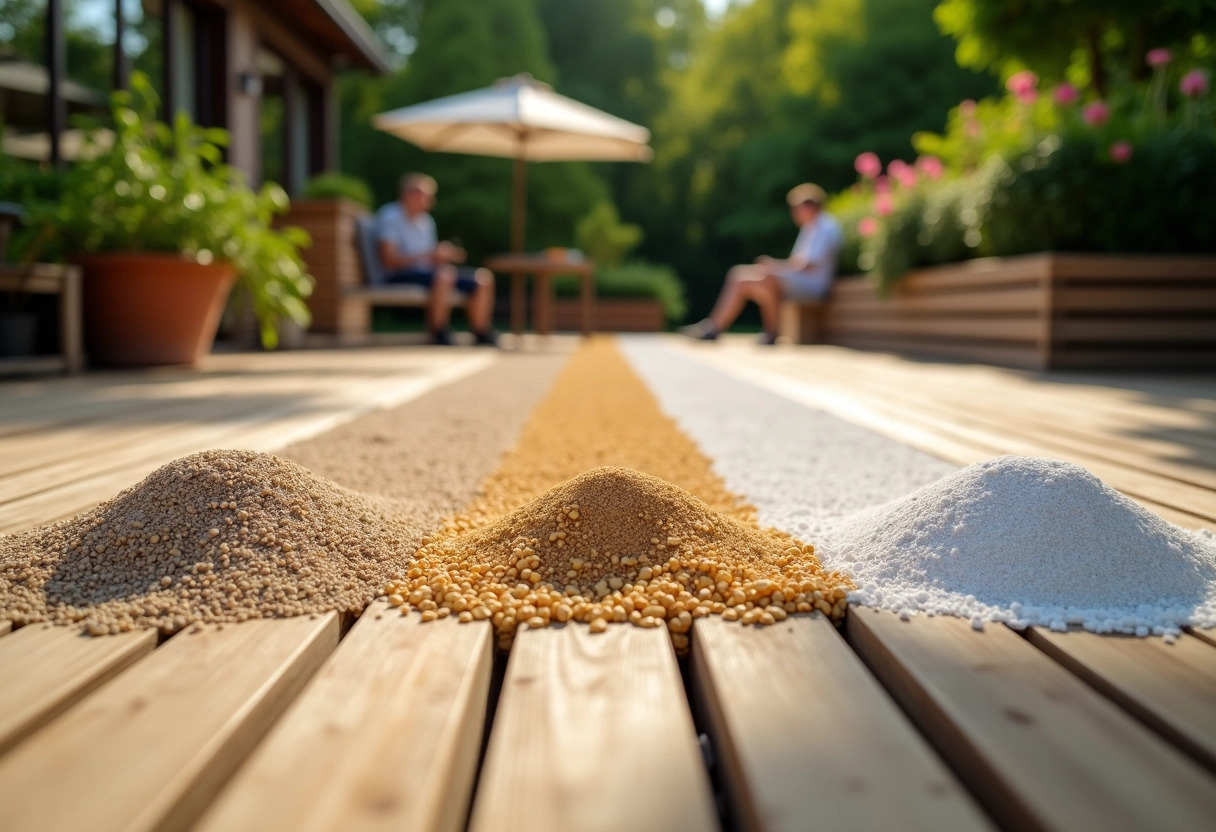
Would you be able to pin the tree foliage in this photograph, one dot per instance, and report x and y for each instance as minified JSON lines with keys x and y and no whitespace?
{"x":1093,"y":37}
{"x":464,"y":45}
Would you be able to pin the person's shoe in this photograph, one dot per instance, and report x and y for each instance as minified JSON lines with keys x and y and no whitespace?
{"x":442,"y":338}
{"x":701,"y":331}
{"x":767,"y":339}
{"x":489,"y":338}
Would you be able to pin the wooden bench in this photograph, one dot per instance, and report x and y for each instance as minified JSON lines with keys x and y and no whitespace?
{"x":49,"y":279}
{"x":801,"y":321}
{"x":345,"y":262}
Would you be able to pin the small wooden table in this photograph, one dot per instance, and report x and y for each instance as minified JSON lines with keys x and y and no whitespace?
{"x":49,"y":279}
{"x":543,"y":268}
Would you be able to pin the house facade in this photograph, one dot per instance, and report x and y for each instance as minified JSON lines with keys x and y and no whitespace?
{"x":262,"y":69}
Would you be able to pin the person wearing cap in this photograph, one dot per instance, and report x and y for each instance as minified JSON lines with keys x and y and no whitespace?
{"x":805,"y":275}
{"x":412,"y":253}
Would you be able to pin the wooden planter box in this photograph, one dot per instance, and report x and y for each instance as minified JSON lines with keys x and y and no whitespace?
{"x":1039,"y":311}
{"x":612,"y":315}
{"x":332,"y":258}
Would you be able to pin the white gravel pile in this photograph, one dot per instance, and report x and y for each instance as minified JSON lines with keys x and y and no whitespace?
{"x":1029,"y":541}
{"x":1017,"y":540}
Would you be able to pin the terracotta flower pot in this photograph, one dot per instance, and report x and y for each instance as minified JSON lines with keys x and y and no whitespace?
{"x":147,"y":309}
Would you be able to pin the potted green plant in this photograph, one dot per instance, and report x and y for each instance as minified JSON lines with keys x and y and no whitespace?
{"x":327,"y":209}
{"x":163,"y":229}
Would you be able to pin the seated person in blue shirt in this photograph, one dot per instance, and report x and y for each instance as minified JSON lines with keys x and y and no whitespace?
{"x":806,"y":274}
{"x":412,"y":253}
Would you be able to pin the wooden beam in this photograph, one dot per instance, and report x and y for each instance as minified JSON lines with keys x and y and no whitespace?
{"x":593,"y":733}
{"x":151,"y":749}
{"x":48,"y":669}
{"x":57,"y":69}
{"x":1170,"y":687}
{"x":1035,"y":744}
{"x":387,"y":736}
{"x":805,"y":737}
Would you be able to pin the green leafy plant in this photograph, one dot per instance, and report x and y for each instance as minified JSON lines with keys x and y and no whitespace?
{"x":603,"y":236}
{"x":151,"y":187}
{"x":338,"y":186}
{"x":1042,"y":170}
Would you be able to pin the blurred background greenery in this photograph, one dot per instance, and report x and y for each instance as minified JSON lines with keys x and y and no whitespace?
{"x":747,"y":98}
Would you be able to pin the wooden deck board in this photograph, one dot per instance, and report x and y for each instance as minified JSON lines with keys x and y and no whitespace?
{"x":1070,"y":426}
{"x":47,"y":669}
{"x":592,"y":733}
{"x":148,"y":750}
{"x":1067,"y":428}
{"x":1036,"y":745}
{"x":1171,"y":688}
{"x":387,"y":735}
{"x":805,"y":735}
{"x":1009,"y":434}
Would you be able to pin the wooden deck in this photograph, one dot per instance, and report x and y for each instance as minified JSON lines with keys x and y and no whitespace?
{"x":296,"y":725}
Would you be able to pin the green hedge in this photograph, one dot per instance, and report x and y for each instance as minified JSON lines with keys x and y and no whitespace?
{"x":635,"y":279}
{"x":1039,"y":171}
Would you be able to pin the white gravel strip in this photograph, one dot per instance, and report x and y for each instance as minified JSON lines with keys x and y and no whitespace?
{"x":1023,"y":541}
{"x":802,"y":468}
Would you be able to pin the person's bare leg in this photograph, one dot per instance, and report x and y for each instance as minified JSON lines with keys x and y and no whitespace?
{"x":766,"y":292}
{"x":732,"y":297}
{"x":481,"y":304}
{"x":439,"y":310}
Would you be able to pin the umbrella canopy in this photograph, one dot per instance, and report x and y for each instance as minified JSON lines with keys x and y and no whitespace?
{"x":522,"y":119}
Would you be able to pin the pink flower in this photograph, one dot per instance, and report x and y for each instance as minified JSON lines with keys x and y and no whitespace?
{"x":966,"y":108}
{"x":868,"y":165}
{"x":1120,"y":152}
{"x":867,"y":227}
{"x":883,"y":204}
{"x":882,"y":185}
{"x":1096,"y":113}
{"x":1158,"y":57}
{"x":930,"y":166}
{"x":1067,"y":94}
{"x":1024,"y":85}
{"x":1194,"y":83}
{"x":902,"y":172}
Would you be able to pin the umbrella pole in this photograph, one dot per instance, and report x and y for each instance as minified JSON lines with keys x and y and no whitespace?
{"x":519,"y":203}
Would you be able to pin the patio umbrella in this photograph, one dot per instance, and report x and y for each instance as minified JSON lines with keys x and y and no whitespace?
{"x":518,"y":118}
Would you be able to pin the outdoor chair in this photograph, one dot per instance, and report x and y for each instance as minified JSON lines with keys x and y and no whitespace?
{"x":355,"y":302}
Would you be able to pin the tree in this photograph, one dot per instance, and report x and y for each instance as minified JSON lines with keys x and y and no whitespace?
{"x":464,"y":45}
{"x":1048,"y":36}
{"x":787,"y":91}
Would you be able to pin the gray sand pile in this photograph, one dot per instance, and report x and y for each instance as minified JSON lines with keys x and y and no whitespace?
{"x":219,"y":536}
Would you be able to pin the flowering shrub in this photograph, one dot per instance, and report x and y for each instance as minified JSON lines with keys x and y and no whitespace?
{"x":1044,"y":170}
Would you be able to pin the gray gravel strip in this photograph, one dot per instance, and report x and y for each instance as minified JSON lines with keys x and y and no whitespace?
{"x":428,"y":457}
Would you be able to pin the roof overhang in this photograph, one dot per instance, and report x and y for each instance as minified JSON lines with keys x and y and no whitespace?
{"x":339,"y":30}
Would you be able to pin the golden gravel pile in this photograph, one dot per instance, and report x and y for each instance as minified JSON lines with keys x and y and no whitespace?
{"x":219,"y":536}
{"x":615,"y":545}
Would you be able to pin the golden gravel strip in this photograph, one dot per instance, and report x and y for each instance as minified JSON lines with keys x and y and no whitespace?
{"x":599,"y":412}
{"x":549,"y":540}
